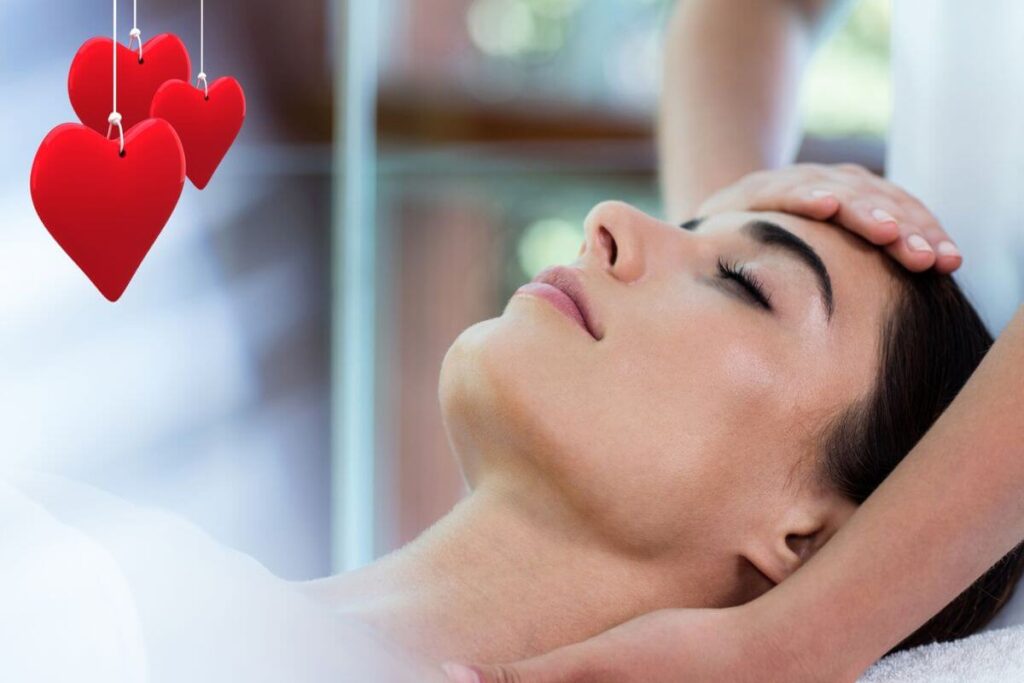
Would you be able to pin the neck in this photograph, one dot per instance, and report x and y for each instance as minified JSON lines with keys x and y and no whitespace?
{"x":499,"y":579}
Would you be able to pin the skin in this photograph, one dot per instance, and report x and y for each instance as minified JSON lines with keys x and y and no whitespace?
{"x":703,"y":493}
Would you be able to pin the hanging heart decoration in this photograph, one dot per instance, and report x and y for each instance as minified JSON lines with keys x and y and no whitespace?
{"x":105,"y":201}
{"x":104,"y":208}
{"x":207,"y":123}
{"x":90,"y":78}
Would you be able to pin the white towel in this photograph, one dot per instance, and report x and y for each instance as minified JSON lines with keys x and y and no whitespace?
{"x":988,"y":657}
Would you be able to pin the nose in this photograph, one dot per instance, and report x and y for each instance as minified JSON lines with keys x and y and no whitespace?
{"x":619,"y":239}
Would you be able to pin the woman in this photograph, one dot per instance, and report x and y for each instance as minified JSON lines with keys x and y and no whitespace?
{"x":679,"y":419}
{"x":731,"y":73}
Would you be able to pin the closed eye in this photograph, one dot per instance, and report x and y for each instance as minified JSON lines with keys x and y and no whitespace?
{"x":752,"y":286}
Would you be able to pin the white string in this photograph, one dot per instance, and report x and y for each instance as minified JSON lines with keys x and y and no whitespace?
{"x":135,"y":33}
{"x":201,"y":78}
{"x":115,"y":119}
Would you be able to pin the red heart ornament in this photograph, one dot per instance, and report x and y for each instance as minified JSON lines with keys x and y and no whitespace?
{"x":207,"y":125}
{"x":106,"y":210}
{"x":90,"y":78}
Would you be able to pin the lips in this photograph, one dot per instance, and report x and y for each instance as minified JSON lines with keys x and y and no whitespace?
{"x":563,"y":288}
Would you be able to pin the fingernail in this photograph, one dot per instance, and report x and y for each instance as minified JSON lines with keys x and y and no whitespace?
{"x":460,"y":674}
{"x":918,"y":243}
{"x":818,"y":194}
{"x":947,"y":248}
{"x":882,"y":216}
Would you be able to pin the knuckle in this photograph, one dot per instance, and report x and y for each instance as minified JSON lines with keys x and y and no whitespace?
{"x":810,"y":171}
{"x":919,"y":209}
{"x":932,"y":231}
{"x":866,"y":203}
{"x":920,"y":215}
{"x":756,"y":177}
{"x":850,"y":167}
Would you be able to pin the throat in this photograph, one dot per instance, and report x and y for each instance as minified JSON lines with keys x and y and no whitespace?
{"x":495,"y":580}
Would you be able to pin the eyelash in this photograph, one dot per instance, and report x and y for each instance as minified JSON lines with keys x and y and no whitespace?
{"x":753,"y":286}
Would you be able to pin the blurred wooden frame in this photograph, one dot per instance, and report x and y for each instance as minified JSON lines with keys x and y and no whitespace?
{"x":411,"y":116}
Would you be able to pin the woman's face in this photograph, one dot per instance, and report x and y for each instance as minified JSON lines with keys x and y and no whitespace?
{"x":683,"y":412}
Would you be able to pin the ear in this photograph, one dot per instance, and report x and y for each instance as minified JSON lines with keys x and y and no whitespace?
{"x":783,"y":545}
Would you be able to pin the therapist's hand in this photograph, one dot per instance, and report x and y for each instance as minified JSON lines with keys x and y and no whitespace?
{"x":853,"y":197}
{"x":669,"y":646}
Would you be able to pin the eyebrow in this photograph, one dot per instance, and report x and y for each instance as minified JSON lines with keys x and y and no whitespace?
{"x":774,"y":235}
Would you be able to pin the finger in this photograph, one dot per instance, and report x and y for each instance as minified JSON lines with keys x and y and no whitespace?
{"x":566,"y":665}
{"x":602,"y":659}
{"x":913,"y":252}
{"x":729,"y":199}
{"x":925,"y":219}
{"x":920,"y":235}
{"x":816,"y":203}
{"x":916,"y":217}
{"x":828,"y":201}
{"x":873,"y":218}
{"x":947,"y":256}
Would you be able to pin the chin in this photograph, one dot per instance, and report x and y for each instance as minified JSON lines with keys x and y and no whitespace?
{"x":507,"y":388}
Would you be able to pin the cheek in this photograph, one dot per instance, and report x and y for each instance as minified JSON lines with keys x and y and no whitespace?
{"x":704,"y":419}
{"x":717,"y":378}
{"x":673,"y":420}
{"x":751,"y":381}
{"x":752,"y":416}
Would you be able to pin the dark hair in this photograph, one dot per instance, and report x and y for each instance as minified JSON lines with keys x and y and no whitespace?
{"x":931,"y":344}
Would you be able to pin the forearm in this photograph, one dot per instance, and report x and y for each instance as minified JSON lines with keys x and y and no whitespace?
{"x":731,"y":76}
{"x":949,"y":511}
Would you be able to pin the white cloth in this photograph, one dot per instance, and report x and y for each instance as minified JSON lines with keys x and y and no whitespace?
{"x":96,"y":589}
{"x":956,"y":139}
{"x":989,"y":657}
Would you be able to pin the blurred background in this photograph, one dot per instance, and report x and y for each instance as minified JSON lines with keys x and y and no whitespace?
{"x":271,"y":371}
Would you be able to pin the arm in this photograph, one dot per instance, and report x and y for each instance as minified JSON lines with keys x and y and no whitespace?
{"x":954,"y":503}
{"x":870,"y":586}
{"x":729,"y":109}
{"x":731,"y":73}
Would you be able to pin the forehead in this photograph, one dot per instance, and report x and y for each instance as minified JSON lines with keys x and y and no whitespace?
{"x":862,"y":285}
